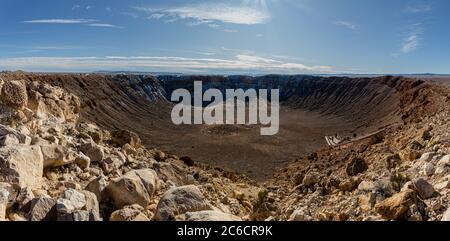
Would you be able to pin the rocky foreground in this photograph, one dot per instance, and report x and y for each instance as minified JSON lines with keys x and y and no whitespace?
{"x":401,"y":173}
{"x":55,"y":165}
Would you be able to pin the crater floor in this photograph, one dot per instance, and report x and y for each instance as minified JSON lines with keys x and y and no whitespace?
{"x":242,"y":149}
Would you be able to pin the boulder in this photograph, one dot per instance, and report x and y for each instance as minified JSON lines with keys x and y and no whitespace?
{"x":171,"y":172}
{"x":23,"y":199}
{"x":442,"y":186}
{"x":211,"y":215}
{"x":13,"y":134}
{"x":159,"y":156}
{"x":14,"y":94}
{"x":93,"y":151}
{"x":123,"y":137}
{"x":129,"y":213}
{"x":92,"y":206}
{"x":75,"y":216}
{"x":78,"y":216}
{"x":423,"y":188}
{"x":64,"y":209}
{"x":78,"y":206}
{"x":83,"y":161}
{"x":4,"y":198}
{"x":69,"y":204}
{"x":350,"y":184}
{"x":56,"y":156}
{"x":443,"y":165}
{"x":366,"y":186}
{"x":98,"y":187}
{"x":111,"y":164}
{"x":446,"y":216}
{"x":22,"y":165}
{"x":300,"y":215}
{"x":445,"y":159}
{"x":148,"y":178}
{"x":17,"y":217}
{"x":427,"y":157}
{"x":135,"y":187}
{"x":311,"y":178}
{"x":9,"y":140}
{"x":43,"y":209}
{"x":356,"y":166}
{"x":92,"y":131}
{"x":180,"y":200}
{"x":77,"y":199}
{"x":395,"y":207}
{"x":428,"y":169}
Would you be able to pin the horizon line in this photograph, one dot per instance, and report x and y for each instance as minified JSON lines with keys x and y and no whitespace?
{"x":225,"y":74}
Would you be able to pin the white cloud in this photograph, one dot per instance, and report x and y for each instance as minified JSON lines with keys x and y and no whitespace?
{"x":130,"y":14}
{"x":237,"y":51}
{"x":206,"y":53}
{"x":410,"y":44}
{"x":346,"y":24}
{"x":88,"y":7}
{"x":62,"y":47}
{"x":60,"y":21}
{"x":419,"y":8}
{"x":208,"y":13}
{"x":256,"y":59}
{"x":87,"y":22}
{"x":239,"y":63}
{"x":156,"y":16}
{"x":230,"y":31}
{"x":412,"y":39}
{"x":75,"y":7}
{"x":214,"y":25}
{"x":104,"y":25}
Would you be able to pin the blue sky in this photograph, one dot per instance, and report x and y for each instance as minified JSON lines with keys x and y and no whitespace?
{"x":235,"y":36}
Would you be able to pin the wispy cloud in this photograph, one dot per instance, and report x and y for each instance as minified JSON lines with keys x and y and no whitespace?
{"x":156,"y":16}
{"x":230,"y":31}
{"x":104,"y":25}
{"x":412,"y":39}
{"x":59,"y":21}
{"x":86,"y":22}
{"x":239,"y":63}
{"x":209,"y":13}
{"x":130,"y":14}
{"x":346,"y":24}
{"x":75,"y":7}
{"x":237,"y":51}
{"x":214,"y":25}
{"x":419,"y":8}
{"x":58,"y":47}
{"x":410,"y":43}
